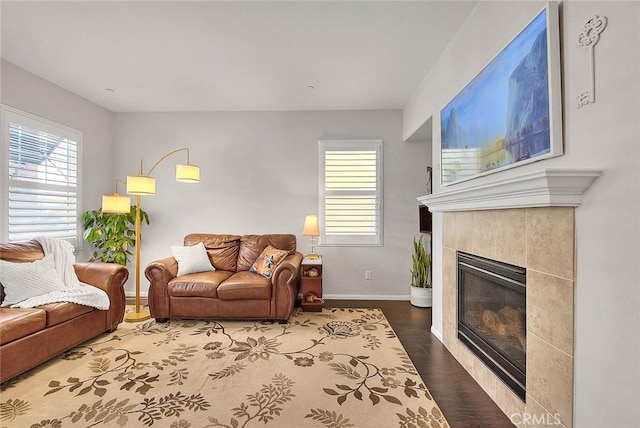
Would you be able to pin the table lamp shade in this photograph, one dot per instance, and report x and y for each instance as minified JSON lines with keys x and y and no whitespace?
{"x":116,"y":204}
{"x":311,"y":226}
{"x":187,"y":173}
{"x":141,"y":185}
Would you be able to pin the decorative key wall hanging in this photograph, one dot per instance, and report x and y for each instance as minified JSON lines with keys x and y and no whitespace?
{"x":588,"y":38}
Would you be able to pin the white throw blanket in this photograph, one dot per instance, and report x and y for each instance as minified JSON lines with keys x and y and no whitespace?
{"x":76,"y":292}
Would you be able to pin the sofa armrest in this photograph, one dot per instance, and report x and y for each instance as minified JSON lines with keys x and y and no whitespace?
{"x":159,"y":273}
{"x":111,"y":278}
{"x":284,"y":283}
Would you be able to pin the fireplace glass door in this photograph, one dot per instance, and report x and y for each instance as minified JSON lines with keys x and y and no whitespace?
{"x":492,"y":316}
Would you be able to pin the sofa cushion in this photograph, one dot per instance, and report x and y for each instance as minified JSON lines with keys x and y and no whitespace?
{"x":58,"y":313}
{"x":19,"y":253}
{"x":267,"y":262}
{"x":201,"y":284}
{"x":22,"y":281}
{"x":245,"y":285}
{"x":192,"y":259}
{"x":18,"y":323}
{"x":251,"y":246}
{"x":222,"y":249}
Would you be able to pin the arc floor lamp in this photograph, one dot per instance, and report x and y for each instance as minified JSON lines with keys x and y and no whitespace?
{"x":145,"y":185}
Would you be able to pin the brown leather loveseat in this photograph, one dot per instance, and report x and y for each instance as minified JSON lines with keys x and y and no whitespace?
{"x":31,"y":336}
{"x":231,"y":291}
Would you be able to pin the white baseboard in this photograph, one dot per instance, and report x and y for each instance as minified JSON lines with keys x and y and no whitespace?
{"x":366,"y":296}
{"x":437,"y":334}
{"x":130,"y":299}
{"x":331,"y":296}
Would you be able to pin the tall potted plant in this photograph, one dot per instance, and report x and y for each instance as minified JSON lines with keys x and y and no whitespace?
{"x":113,"y":235}
{"x":421,"y":291}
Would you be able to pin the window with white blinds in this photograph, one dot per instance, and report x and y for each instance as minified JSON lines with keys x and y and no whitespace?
{"x":351,"y":193}
{"x":41,"y":195}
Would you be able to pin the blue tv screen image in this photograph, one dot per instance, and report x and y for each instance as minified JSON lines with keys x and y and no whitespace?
{"x":502,"y":116}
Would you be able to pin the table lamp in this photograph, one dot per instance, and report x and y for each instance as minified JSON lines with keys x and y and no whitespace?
{"x":311,"y":229}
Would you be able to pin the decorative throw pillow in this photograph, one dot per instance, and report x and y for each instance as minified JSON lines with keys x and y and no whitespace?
{"x":22,"y":281}
{"x":192,"y":259}
{"x":266,"y":263}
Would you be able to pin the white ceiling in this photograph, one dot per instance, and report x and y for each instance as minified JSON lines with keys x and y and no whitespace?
{"x":232,"y":55}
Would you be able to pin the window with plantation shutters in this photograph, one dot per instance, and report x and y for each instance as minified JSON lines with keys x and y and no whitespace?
{"x":351,"y":193}
{"x":41,"y":195}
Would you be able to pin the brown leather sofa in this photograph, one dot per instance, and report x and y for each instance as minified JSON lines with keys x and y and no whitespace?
{"x":231,"y":291}
{"x":29,"y":337}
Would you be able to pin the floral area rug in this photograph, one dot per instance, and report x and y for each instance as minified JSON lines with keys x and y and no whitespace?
{"x":337,"y":368}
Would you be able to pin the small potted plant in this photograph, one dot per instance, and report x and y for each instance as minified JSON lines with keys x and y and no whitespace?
{"x":421,"y":291}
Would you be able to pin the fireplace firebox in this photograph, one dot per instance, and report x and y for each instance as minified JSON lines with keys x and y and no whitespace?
{"x":492,"y":316}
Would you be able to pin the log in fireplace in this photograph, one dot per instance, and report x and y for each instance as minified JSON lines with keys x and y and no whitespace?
{"x":492,"y":316}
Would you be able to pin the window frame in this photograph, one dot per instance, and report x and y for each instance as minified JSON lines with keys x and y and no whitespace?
{"x":13,"y":115}
{"x":351,"y":240}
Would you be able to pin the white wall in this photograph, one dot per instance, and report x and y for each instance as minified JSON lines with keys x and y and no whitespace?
{"x":605,"y":136}
{"x":28,"y":92}
{"x":260,"y":175}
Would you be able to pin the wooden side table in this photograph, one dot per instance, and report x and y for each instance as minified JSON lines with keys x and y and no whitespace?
{"x":311,"y":284}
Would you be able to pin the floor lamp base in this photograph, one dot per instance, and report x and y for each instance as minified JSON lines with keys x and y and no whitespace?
{"x":137,"y":316}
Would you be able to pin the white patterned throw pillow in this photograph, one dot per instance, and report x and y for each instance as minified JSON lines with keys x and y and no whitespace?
{"x":22,"y":281}
{"x":192,"y":259}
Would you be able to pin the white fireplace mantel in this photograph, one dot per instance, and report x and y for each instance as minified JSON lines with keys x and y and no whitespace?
{"x":544,"y":188}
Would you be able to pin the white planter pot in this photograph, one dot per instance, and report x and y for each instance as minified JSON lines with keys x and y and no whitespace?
{"x":421,"y":297}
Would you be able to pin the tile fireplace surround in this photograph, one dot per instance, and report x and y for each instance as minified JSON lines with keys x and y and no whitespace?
{"x":526,"y":220}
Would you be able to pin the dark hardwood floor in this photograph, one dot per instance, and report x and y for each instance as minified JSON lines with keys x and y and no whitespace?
{"x":462,"y":400}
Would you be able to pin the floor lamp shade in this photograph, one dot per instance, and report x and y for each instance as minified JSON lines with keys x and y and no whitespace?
{"x":116,"y":204}
{"x":141,"y":185}
{"x":187,"y":173}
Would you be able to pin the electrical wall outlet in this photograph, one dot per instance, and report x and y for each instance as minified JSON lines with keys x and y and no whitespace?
{"x":367,"y":274}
